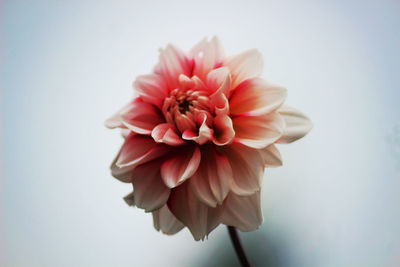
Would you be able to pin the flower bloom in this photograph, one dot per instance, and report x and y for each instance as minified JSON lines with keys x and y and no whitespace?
{"x":198,"y":137}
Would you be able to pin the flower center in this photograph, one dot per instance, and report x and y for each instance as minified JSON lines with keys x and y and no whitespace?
{"x":182,"y":107}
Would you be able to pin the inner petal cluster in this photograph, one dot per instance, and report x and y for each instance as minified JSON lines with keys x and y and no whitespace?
{"x":194,"y":109}
{"x":185,"y":104}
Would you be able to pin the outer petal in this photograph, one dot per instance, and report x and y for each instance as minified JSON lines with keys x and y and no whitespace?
{"x":141,"y":117}
{"x":223,"y":130}
{"x":297,"y":124}
{"x":122,"y":174}
{"x":246,"y":65}
{"x":149,"y":193}
{"x":166,"y":133}
{"x":243,"y":213}
{"x":271,"y":156}
{"x":207,"y":55}
{"x":172,"y":63}
{"x":211,"y":182}
{"x":197,"y":216}
{"x":258,"y":131}
{"x":139,"y":149}
{"x":151,"y":88}
{"x":165,"y":221}
{"x":115,"y":121}
{"x":130,"y":199}
{"x":180,"y":166}
{"x":247,"y":168}
{"x":255,"y":97}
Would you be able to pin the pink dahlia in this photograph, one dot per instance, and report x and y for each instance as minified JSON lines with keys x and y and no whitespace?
{"x":198,"y":137}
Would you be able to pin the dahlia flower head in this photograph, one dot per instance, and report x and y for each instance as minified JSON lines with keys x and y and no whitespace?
{"x":198,"y":137}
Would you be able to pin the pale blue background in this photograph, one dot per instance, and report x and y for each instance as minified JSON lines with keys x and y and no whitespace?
{"x":67,"y":65}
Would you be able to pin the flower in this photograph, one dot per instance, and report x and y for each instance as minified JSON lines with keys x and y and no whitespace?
{"x":198,"y":137}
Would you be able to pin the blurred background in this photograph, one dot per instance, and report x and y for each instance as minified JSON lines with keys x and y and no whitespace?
{"x":66,"y":66}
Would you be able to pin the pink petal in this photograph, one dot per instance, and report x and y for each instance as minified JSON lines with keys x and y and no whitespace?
{"x":271,"y":156}
{"x":165,"y":221}
{"x":151,"y":88}
{"x":222,"y":82}
{"x":247,"y":168}
{"x":220,"y":104}
{"x":180,"y":166}
{"x":198,"y":84}
{"x":141,"y":117}
{"x":243,"y":213}
{"x":204,"y":134}
{"x":139,"y":149}
{"x":197,"y":216}
{"x":185,"y":82}
{"x":207,"y":55}
{"x":258,"y":131}
{"x":172,"y":63}
{"x":246,"y":65}
{"x":167,"y":133}
{"x":256,"y":97}
{"x":150,"y":193}
{"x":115,"y":121}
{"x":219,"y":80}
{"x":184,"y":123}
{"x":223,"y":130}
{"x":297,"y":124}
{"x":211,"y":182}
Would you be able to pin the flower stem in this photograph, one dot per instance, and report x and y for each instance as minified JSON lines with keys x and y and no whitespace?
{"x":238,"y":246}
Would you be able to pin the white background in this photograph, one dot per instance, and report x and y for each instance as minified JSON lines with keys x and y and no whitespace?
{"x":68,"y":65}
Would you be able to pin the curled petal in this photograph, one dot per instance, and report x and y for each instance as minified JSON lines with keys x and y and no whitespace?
{"x":166,"y":133}
{"x":211,"y":182}
{"x":207,"y":55}
{"x":197,"y":216}
{"x":223,"y":130}
{"x":172,"y":63}
{"x":184,"y":123}
{"x":220,"y":104}
{"x":271,"y":156}
{"x":246,"y":65}
{"x":256,"y":97}
{"x":150,"y":193}
{"x":258,"y":131}
{"x":151,"y":88}
{"x":243,"y":212}
{"x":165,"y":221}
{"x":141,"y":117}
{"x":180,"y":166}
{"x":297,"y":124}
{"x":247,"y":168}
{"x":219,"y":80}
{"x":139,"y":149}
{"x":204,"y":134}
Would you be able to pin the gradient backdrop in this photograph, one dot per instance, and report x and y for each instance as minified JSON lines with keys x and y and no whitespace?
{"x":68,"y":65}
